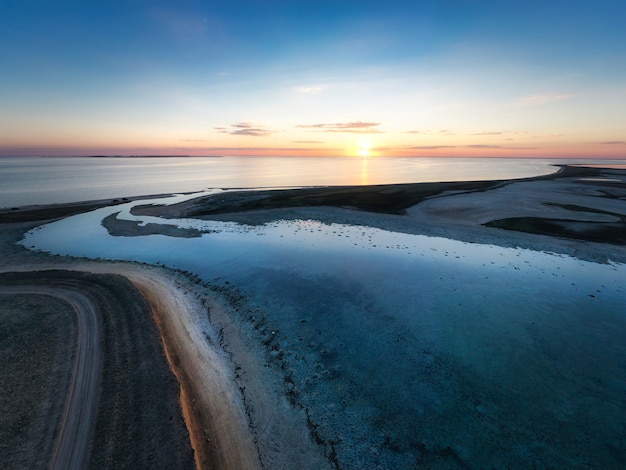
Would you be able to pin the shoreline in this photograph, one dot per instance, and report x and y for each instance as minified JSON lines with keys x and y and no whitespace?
{"x":217,"y":428}
{"x":209,"y":401}
{"x":577,"y":211}
{"x":435,"y":214}
{"x":220,"y":428}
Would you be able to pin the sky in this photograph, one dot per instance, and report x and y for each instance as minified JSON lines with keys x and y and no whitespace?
{"x":330,"y":78}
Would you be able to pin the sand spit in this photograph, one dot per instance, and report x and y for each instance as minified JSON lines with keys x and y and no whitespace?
{"x":211,"y":403}
{"x":211,"y":396}
{"x":212,"y":406}
{"x":559,"y":213}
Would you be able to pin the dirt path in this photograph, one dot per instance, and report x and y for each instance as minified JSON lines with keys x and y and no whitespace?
{"x":78,"y":419}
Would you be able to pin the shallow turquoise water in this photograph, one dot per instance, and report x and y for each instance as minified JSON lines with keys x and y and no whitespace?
{"x":408,"y":349}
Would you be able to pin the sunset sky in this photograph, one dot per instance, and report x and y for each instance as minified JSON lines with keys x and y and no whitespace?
{"x":424,"y":78}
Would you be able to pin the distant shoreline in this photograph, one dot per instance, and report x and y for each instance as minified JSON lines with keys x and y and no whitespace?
{"x":34,"y":212}
{"x":59,"y":180}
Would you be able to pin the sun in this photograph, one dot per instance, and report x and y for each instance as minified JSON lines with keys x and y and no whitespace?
{"x":364,"y":148}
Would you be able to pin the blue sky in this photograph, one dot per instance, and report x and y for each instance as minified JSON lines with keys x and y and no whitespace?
{"x":464,"y":77}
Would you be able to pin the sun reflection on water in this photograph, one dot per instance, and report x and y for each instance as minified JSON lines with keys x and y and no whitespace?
{"x":364,"y":165}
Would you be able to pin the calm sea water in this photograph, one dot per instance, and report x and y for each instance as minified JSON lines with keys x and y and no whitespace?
{"x":47,"y":180}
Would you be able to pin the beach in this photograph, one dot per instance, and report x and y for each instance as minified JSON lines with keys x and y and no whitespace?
{"x":248,"y":401}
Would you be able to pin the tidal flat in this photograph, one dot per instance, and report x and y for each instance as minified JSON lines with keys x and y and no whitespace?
{"x":400,"y":326}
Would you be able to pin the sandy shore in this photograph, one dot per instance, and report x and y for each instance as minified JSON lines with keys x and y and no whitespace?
{"x":578,"y":211}
{"x":211,"y":396}
{"x":210,"y":401}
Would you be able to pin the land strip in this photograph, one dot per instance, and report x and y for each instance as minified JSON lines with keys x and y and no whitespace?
{"x":36,"y":347}
{"x":138,"y":419}
{"x":548,"y":213}
{"x":77,"y":422}
{"x":47,"y":212}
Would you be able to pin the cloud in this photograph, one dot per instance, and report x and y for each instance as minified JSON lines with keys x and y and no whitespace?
{"x":192,"y":140}
{"x":431,"y":147}
{"x":431,"y":132}
{"x":613,"y":142}
{"x":245,"y":128}
{"x":500,"y":133}
{"x":471,"y":146}
{"x":308,"y":142}
{"x":259,"y":149}
{"x":310,"y":90}
{"x":447,"y":132}
{"x":484,"y":146}
{"x":542,"y":99}
{"x":355,"y":127}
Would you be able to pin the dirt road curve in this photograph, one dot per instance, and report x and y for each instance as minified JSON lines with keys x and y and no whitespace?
{"x":77,"y":421}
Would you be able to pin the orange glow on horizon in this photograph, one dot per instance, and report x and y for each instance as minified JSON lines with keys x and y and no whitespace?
{"x":362,"y":148}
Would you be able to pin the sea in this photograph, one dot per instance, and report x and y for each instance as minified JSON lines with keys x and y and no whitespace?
{"x":48,"y":180}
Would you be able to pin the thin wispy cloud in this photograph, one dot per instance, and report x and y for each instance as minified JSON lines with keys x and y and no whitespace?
{"x":487,"y":146}
{"x":308,"y":141}
{"x":355,"y":127}
{"x":500,"y":133}
{"x":469,"y":146}
{"x":613,"y":142}
{"x":542,"y":99}
{"x":310,"y":90}
{"x":440,"y":132}
{"x":263,"y":150}
{"x":245,"y":128}
{"x":431,"y":147}
{"x":192,"y":140}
